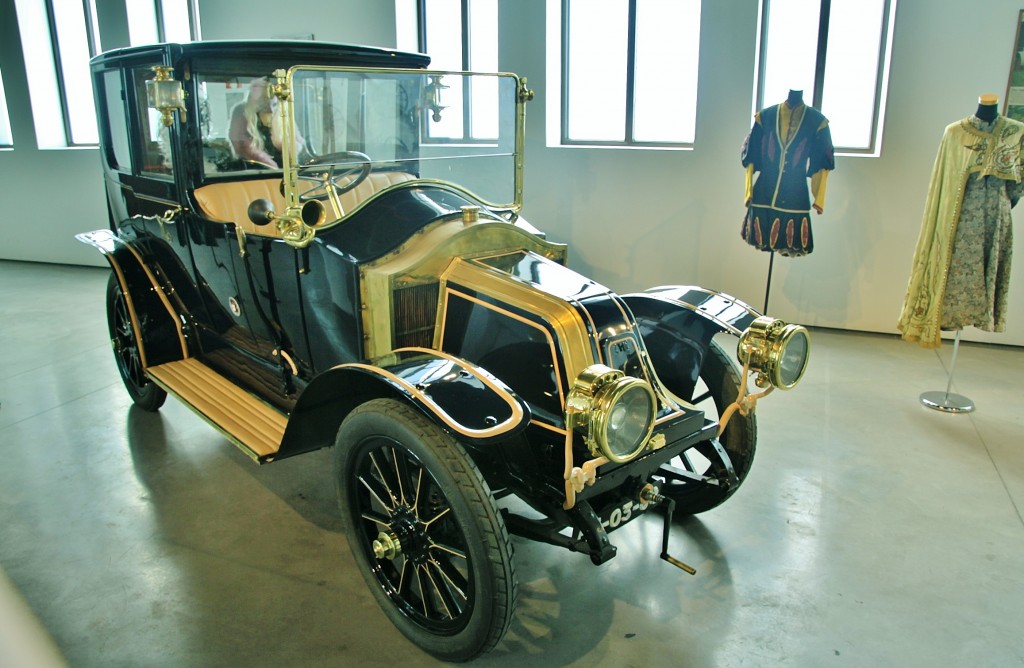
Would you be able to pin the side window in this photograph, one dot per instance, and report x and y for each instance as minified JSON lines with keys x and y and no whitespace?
{"x":837,"y":52}
{"x":119,"y":155}
{"x":155,"y":138}
{"x":239,"y":121}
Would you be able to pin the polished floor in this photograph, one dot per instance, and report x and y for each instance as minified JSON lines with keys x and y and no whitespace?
{"x":871,"y":532}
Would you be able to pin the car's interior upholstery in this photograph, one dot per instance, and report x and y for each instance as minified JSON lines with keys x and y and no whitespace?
{"x":229,"y":201}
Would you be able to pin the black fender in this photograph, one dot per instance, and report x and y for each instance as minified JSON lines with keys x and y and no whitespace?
{"x":677,"y":323}
{"x":462,"y":398}
{"x":159,"y":328}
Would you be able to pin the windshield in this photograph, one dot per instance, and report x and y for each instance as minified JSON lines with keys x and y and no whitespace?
{"x":361,"y":131}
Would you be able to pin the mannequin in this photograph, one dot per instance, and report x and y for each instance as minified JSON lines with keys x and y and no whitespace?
{"x":788,"y":143}
{"x":961,"y":267}
{"x":988,"y":107}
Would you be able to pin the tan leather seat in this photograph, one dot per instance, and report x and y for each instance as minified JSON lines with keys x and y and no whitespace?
{"x":229,"y":202}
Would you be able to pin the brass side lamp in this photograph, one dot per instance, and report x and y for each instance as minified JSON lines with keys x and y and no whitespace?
{"x":165,"y":94}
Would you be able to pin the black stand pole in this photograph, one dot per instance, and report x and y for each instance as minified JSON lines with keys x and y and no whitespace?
{"x":768,"y":286}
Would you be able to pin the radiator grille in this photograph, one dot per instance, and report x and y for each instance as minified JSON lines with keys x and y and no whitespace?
{"x":415,"y":315}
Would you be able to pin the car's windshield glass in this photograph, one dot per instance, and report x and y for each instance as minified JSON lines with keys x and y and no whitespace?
{"x":400,"y":125}
{"x":394,"y":125}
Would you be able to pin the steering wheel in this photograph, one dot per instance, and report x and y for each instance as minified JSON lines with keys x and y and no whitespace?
{"x":340,"y":165}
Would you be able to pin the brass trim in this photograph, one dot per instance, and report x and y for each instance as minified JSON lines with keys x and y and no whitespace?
{"x":163,"y":298}
{"x":423,"y":258}
{"x":240,"y":235}
{"x":282,"y":89}
{"x":107,"y":242}
{"x":595,"y":392}
{"x":517,"y":409}
{"x":131,"y":309}
{"x":570,"y":329}
{"x":763,"y":345}
{"x":496,"y":430}
{"x":515,"y":316}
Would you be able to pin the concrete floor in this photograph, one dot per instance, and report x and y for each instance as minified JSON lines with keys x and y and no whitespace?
{"x":871,"y":532}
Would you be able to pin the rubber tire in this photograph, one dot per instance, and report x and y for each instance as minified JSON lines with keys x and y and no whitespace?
{"x":722,"y":379}
{"x":146,"y":394}
{"x":392,"y":423}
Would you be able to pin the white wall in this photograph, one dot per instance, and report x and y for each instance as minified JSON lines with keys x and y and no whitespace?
{"x":635,"y":218}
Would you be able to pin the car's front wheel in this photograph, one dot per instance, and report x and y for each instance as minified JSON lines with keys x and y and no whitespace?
{"x":146,"y":394}
{"x":705,"y":476}
{"x":425,"y":530}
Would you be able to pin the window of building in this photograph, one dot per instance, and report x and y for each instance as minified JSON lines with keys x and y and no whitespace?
{"x":60,"y":86}
{"x":6,"y":140}
{"x":458,"y":35}
{"x":154,"y":21}
{"x":837,"y":52}
{"x":626,"y":72}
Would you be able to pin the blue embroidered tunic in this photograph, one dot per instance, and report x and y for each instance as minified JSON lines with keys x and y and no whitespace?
{"x":785,"y":146}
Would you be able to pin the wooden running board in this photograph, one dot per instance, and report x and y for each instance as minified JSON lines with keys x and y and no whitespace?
{"x":247,"y":421}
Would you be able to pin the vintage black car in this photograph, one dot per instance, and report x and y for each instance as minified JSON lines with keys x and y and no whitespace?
{"x":321,"y":246}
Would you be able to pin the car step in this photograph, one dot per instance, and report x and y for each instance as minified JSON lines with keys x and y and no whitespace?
{"x":248,"y":422}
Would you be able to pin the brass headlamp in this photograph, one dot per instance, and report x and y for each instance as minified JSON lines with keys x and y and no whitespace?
{"x":617,"y":410}
{"x":776,"y":351}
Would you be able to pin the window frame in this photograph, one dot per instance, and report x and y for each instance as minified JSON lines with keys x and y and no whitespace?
{"x":874,"y":147}
{"x":92,"y":39}
{"x":55,"y":112}
{"x":465,"y":65}
{"x":6,"y":134}
{"x":628,"y":140}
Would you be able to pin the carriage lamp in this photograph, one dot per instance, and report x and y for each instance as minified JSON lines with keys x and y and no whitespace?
{"x":165,"y":94}
{"x":776,"y":351}
{"x":432,"y":96}
{"x":617,"y":411}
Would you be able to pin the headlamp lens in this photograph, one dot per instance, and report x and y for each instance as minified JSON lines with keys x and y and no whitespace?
{"x":794,"y":359}
{"x":618,"y":411}
{"x":630,"y":420}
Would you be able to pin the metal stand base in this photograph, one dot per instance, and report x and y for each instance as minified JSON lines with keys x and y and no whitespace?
{"x":947,"y":402}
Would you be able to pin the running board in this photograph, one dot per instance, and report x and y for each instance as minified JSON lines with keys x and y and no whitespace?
{"x":254,"y":426}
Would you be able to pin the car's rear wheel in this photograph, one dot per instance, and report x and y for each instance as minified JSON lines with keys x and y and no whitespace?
{"x":146,"y":394}
{"x":700,"y":478}
{"x":424,"y":529}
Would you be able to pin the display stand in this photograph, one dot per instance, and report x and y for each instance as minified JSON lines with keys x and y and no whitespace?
{"x":768,"y":285}
{"x":948,"y":402}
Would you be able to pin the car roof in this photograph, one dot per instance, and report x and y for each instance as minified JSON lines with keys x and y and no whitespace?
{"x":296,"y":51}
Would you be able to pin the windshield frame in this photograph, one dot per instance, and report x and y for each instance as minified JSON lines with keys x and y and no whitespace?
{"x":284,"y":86}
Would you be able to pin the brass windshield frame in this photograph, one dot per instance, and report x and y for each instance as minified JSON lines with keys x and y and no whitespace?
{"x":282,"y":90}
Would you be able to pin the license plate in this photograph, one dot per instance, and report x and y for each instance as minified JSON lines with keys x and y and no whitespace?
{"x":615,"y":515}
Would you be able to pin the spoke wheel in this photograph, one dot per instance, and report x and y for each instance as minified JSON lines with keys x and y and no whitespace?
{"x":145,"y":393}
{"x":700,"y":478}
{"x":424,"y":529}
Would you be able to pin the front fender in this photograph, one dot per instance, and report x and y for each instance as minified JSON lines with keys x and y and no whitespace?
{"x":465,"y":400}
{"x":677,"y":323}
